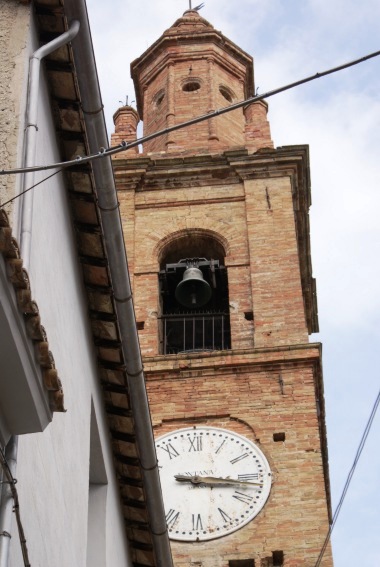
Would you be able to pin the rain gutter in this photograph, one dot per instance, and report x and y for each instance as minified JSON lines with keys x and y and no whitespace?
{"x":118,"y":266}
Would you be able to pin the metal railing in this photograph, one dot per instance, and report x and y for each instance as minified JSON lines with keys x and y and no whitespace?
{"x":187,"y":332}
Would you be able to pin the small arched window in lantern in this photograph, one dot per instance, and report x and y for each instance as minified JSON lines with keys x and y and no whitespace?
{"x":158,"y":98}
{"x":227,"y":94}
{"x":191,"y":85}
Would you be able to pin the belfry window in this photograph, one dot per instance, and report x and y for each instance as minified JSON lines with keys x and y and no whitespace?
{"x":194,"y":304}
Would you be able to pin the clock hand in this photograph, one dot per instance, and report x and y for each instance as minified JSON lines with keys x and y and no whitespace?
{"x":221,"y":481}
{"x":214,"y":480}
{"x":186,"y":478}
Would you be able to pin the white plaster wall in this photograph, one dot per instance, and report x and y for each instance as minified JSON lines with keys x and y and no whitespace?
{"x":53,"y":466}
{"x":14,"y":27}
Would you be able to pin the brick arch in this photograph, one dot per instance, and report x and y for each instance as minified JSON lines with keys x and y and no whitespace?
{"x":173,"y":241}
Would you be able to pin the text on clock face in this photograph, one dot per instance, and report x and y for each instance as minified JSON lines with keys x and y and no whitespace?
{"x":197,"y":473}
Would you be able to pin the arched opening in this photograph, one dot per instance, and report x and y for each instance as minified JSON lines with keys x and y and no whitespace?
{"x":226,"y":93}
{"x":191,"y":85}
{"x":194,"y":300}
{"x":159,"y":98}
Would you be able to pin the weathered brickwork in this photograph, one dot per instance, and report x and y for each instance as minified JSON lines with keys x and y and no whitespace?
{"x":125,"y":120}
{"x":254,"y":220}
{"x":256,"y":394}
{"x":252,"y":391}
{"x":220,"y":189}
{"x":190,"y":71}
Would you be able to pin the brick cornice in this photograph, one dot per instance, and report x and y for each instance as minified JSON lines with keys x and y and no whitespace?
{"x":224,"y":361}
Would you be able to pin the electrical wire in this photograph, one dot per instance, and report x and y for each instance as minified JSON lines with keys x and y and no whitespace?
{"x":122,"y":147}
{"x":16,"y":507}
{"x":349,"y":478}
{"x":29,"y":189}
{"x":103,"y":152}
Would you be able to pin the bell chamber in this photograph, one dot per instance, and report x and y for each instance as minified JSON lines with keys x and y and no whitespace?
{"x":194,"y":306}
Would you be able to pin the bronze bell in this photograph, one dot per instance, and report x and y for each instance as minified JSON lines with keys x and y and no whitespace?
{"x":193,"y":291}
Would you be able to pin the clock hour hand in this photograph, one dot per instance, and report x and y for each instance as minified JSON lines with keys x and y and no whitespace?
{"x":214,"y":480}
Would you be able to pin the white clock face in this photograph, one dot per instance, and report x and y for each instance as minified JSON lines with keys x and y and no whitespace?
{"x":213,"y":481}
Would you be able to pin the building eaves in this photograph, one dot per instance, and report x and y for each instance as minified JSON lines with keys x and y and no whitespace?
{"x":19,"y":280}
{"x":68,"y":109}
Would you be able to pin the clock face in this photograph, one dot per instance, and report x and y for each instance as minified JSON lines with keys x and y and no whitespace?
{"x":213,"y":482}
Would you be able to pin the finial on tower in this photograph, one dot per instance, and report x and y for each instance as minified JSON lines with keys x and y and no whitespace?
{"x":197,"y":8}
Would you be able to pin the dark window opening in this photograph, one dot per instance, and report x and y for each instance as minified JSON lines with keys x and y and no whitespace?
{"x":241,"y":563}
{"x":194,"y":305}
{"x":158,"y":98}
{"x":279,"y":437}
{"x":248,"y":315}
{"x":226,"y":93}
{"x":191,"y":86}
{"x":278,"y":558}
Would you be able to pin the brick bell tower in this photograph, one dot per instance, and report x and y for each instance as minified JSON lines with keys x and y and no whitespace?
{"x":217,"y":231}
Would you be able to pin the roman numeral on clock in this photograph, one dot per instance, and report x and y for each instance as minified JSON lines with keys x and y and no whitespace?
{"x":169,"y":449}
{"x":248,"y":477}
{"x":171,"y":517}
{"x":239,"y":458}
{"x":226,"y":517}
{"x":195,"y":443}
{"x":197,"y":522}
{"x":220,"y":446}
{"x":245,"y":498}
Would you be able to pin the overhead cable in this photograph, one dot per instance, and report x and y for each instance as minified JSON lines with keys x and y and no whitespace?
{"x":29,"y":188}
{"x":9,"y":479}
{"x":349,"y":478}
{"x":107,"y":152}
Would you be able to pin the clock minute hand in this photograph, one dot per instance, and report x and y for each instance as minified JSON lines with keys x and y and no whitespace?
{"x":220,"y":480}
{"x":214,"y":480}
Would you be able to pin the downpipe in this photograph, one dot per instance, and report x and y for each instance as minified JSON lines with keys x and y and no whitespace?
{"x":31,"y":129}
{"x":6,"y":504}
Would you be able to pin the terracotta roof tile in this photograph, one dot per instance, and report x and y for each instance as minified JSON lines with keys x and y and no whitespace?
{"x":19,"y":279}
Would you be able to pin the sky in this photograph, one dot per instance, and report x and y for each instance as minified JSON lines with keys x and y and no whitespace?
{"x":339,"y":117}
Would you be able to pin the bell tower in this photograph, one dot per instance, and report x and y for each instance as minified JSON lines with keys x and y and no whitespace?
{"x":217,"y":233}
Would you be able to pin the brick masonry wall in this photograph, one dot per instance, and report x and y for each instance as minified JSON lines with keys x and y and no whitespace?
{"x":255,"y":219}
{"x":167,"y":103}
{"x":266,"y":384}
{"x":255,"y":395}
{"x":254,"y":204}
{"x":274,"y":263}
{"x":190,"y":53}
